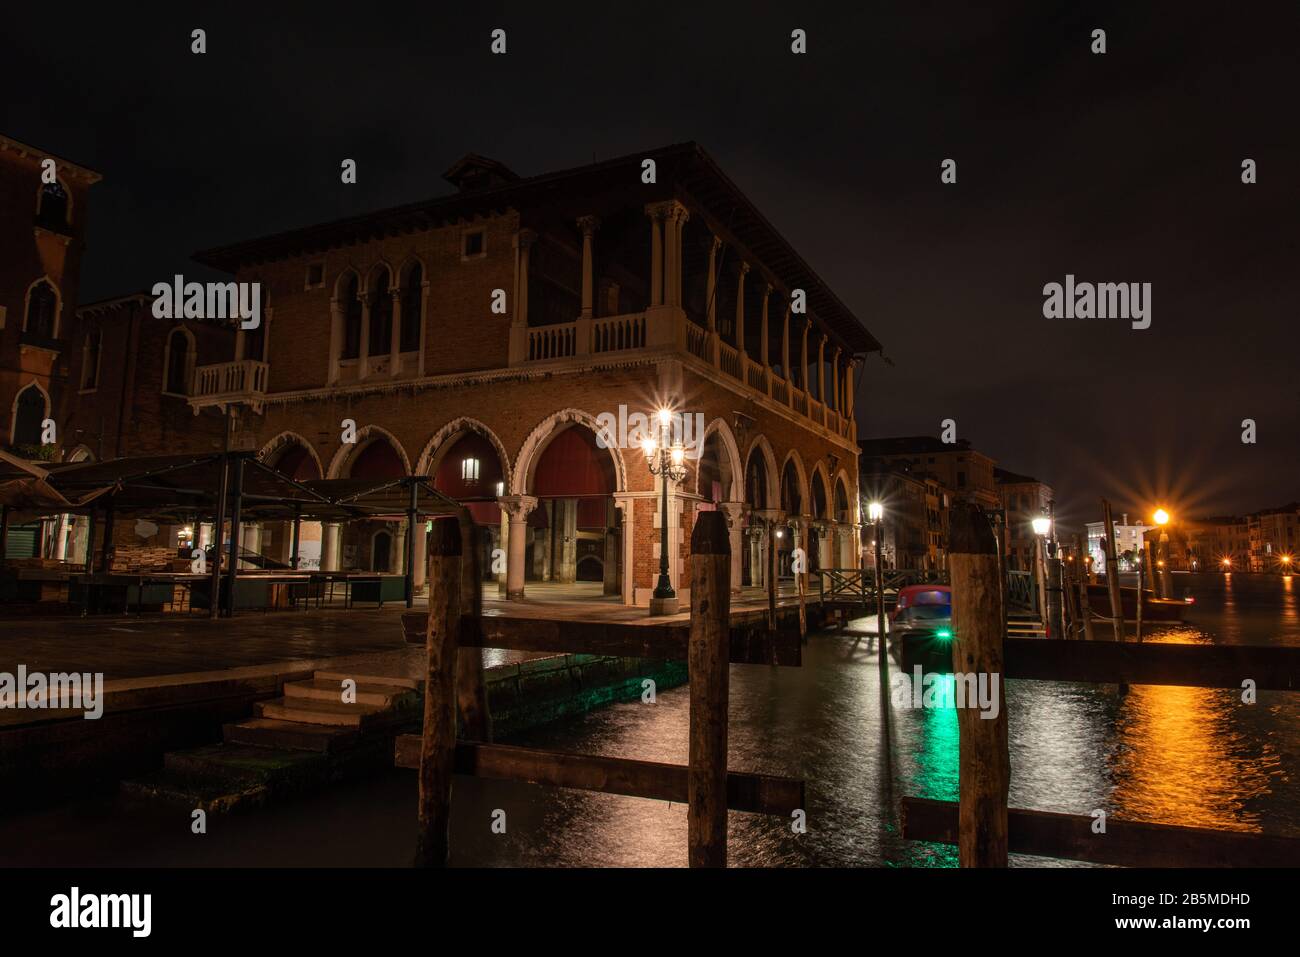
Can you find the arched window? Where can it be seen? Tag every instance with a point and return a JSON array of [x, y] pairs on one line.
[[90, 359], [412, 308], [42, 310], [179, 359], [381, 314], [29, 412], [351, 308], [52, 207]]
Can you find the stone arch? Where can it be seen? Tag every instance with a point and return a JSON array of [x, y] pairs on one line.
[[537, 440], [446, 437], [842, 483], [373, 270], [18, 398], [734, 483], [57, 318], [793, 457], [365, 436], [761, 446], [343, 276], [819, 474], [271, 450]]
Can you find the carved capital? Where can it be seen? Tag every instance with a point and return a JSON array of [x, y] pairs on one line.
[[518, 506], [588, 224], [525, 238]]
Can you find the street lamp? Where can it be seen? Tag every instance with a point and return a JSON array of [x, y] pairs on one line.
[[876, 516], [666, 460], [1161, 517]]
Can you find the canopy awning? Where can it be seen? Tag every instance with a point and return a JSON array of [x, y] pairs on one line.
[[178, 487]]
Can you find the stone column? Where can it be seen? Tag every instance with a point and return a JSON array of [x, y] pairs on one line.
[[330, 546], [711, 297], [518, 508], [735, 513], [588, 225], [395, 345], [421, 552], [566, 526], [741, 270], [762, 354], [399, 549], [523, 241], [785, 356], [821, 370], [675, 222], [610, 559], [655, 212], [849, 396], [803, 364], [251, 538], [835, 378]]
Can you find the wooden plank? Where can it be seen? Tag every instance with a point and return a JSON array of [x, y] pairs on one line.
[[1271, 667], [750, 641], [1125, 843], [753, 793]]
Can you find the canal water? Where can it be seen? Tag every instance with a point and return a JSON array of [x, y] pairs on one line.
[[1162, 754]]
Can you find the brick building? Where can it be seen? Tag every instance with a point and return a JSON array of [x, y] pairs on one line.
[[1024, 498], [41, 243], [489, 338]]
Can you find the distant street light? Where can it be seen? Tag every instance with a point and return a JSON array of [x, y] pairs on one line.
[[1161, 517], [1041, 525], [667, 461]]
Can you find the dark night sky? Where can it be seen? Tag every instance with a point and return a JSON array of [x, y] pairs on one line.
[[1122, 168]]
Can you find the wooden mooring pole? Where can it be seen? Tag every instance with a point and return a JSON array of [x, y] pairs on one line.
[[471, 683], [984, 764], [438, 743], [708, 662], [1085, 613], [1112, 572]]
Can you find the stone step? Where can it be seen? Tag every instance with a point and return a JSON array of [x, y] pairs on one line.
[[329, 689], [362, 678], [214, 797], [310, 711], [244, 763], [291, 735]]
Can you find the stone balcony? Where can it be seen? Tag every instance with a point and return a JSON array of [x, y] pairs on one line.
[[663, 329], [226, 383]]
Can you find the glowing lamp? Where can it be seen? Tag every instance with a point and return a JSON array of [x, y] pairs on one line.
[[1041, 525], [1161, 517], [679, 455], [648, 447], [875, 511], [665, 417]]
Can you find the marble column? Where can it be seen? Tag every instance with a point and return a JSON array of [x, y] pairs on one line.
[[330, 548], [735, 513], [518, 508], [421, 552]]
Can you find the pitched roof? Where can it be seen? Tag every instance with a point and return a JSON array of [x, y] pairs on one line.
[[685, 165]]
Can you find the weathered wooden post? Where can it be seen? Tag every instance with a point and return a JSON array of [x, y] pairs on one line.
[[1085, 613], [438, 744], [1112, 572], [708, 657], [471, 684], [984, 764]]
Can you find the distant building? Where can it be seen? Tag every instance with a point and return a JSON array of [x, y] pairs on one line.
[[1023, 499], [958, 467], [1274, 536], [1128, 543], [907, 525]]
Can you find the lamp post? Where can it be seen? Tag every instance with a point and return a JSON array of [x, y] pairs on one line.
[[876, 514], [1042, 526], [667, 460], [1162, 520]]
